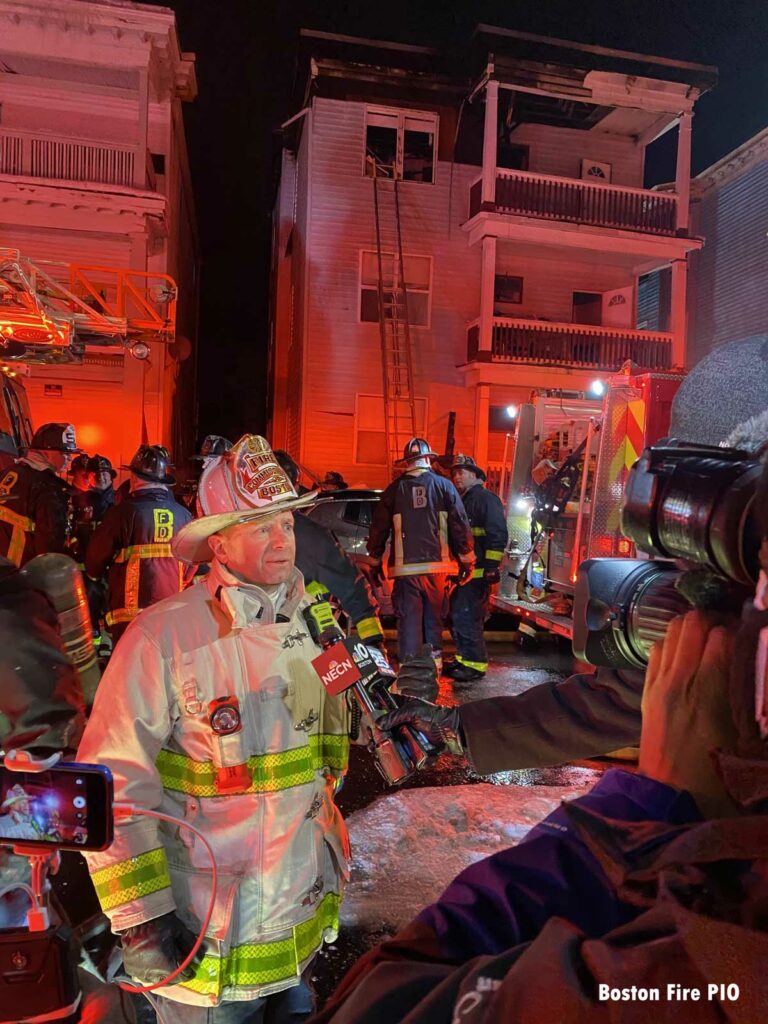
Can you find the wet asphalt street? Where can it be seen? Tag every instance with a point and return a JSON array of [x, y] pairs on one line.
[[513, 669]]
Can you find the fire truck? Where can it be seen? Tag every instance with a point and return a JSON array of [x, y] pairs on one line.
[[51, 312], [571, 458]]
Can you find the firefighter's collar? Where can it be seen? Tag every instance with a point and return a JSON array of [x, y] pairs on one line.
[[247, 603]]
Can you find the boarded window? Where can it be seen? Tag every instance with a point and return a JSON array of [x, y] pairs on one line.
[[417, 272], [370, 433], [400, 144]]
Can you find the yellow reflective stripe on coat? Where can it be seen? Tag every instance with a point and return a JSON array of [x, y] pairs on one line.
[[478, 666], [130, 880], [132, 556], [478, 531], [369, 627], [265, 963], [477, 574], [494, 556], [315, 589], [20, 526], [269, 772], [144, 551]]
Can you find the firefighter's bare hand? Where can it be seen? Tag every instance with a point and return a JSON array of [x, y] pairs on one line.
[[154, 949], [418, 675], [686, 708], [465, 572], [441, 726], [375, 573]]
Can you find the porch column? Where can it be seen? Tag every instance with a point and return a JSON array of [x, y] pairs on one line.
[[140, 160], [678, 311], [482, 409], [683, 172], [490, 140], [487, 284]]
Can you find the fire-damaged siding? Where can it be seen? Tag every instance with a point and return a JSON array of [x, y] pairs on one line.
[[730, 287], [343, 356], [559, 151]]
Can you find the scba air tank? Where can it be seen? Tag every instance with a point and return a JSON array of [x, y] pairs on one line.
[[59, 578]]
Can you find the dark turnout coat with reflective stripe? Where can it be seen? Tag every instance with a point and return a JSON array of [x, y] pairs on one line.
[[489, 527], [36, 520], [429, 526], [327, 570], [133, 546]]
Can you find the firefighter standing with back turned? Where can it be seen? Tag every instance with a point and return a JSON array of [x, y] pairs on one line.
[[430, 533], [134, 541], [37, 519], [469, 605], [327, 570]]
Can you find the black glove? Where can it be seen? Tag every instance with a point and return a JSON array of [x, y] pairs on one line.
[[492, 575], [418, 675], [465, 572], [154, 949], [441, 726]]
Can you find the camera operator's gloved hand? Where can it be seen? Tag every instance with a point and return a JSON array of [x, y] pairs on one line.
[[154, 949], [375, 573], [465, 572], [492, 576], [441, 726], [418, 675]]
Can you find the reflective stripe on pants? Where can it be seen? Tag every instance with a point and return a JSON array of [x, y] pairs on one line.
[[469, 610]]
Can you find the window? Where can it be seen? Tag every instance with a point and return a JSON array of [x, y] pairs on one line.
[[400, 144], [507, 288], [511, 156], [370, 435], [417, 271]]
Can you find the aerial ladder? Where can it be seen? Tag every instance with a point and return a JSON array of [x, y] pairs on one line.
[[394, 328], [50, 311]]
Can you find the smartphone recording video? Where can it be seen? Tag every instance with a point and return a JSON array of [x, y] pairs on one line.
[[68, 806]]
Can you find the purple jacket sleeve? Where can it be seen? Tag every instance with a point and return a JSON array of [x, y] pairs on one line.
[[507, 898]]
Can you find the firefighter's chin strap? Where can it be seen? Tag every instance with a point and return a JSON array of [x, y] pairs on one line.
[[128, 811]]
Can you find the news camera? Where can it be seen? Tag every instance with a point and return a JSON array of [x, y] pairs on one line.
[[687, 503]]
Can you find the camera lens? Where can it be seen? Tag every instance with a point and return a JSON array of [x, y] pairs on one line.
[[695, 504]]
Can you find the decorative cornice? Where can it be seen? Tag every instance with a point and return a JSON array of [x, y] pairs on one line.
[[751, 152]]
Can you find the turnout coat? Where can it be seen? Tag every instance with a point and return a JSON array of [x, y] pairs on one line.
[[279, 841]]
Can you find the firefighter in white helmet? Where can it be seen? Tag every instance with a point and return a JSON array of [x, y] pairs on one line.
[[210, 710]]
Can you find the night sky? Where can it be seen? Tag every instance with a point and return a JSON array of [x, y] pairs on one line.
[[245, 67]]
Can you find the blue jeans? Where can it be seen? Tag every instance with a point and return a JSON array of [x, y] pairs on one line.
[[469, 610], [419, 603], [291, 1006]]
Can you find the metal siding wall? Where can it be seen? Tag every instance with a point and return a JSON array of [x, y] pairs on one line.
[[343, 354], [731, 287]]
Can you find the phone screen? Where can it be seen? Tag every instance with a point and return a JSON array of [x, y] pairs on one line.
[[68, 806]]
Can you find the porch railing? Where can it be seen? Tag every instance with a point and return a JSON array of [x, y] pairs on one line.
[[523, 193], [557, 344], [65, 159]]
